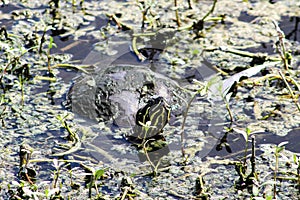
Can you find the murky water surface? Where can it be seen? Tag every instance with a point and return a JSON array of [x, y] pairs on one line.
[[94, 36]]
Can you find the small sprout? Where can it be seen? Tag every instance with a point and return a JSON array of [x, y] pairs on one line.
[[99, 173]]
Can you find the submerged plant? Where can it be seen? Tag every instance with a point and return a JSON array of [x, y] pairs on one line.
[[50, 46], [202, 90], [25, 172], [72, 136], [92, 179], [3, 108], [249, 180], [278, 149], [152, 164], [201, 189], [148, 16]]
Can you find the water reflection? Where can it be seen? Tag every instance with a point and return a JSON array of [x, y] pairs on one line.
[[233, 144]]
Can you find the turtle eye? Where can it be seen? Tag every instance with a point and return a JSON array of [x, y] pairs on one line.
[[152, 118]]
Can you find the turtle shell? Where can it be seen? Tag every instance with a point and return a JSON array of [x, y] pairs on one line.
[[118, 92]]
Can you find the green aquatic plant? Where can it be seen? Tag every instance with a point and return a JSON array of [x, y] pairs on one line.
[[95, 174], [57, 165], [21, 84], [293, 96], [152, 164], [3, 108], [247, 180], [148, 16], [198, 26], [72, 136], [278, 149], [201, 190], [202, 90], [25, 172], [50, 46], [23, 190], [176, 13], [15, 69], [246, 136], [128, 188], [74, 5]]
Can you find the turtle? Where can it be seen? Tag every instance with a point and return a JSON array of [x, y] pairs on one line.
[[127, 95]]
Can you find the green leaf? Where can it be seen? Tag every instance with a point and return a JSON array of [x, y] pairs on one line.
[[195, 52], [279, 149], [295, 158], [46, 192], [248, 131], [99, 173], [50, 42], [270, 197]]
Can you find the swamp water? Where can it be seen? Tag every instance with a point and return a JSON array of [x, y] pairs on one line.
[[30, 112]]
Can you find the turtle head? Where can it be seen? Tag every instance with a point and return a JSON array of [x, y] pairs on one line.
[[152, 118]]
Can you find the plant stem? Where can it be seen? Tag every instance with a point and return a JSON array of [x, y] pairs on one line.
[[154, 168], [136, 51], [277, 151], [265, 57], [124, 194], [183, 123], [210, 11], [21, 82], [91, 185], [281, 45], [73, 137], [176, 14], [245, 154], [252, 159], [56, 175], [190, 4], [229, 110], [295, 99]]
